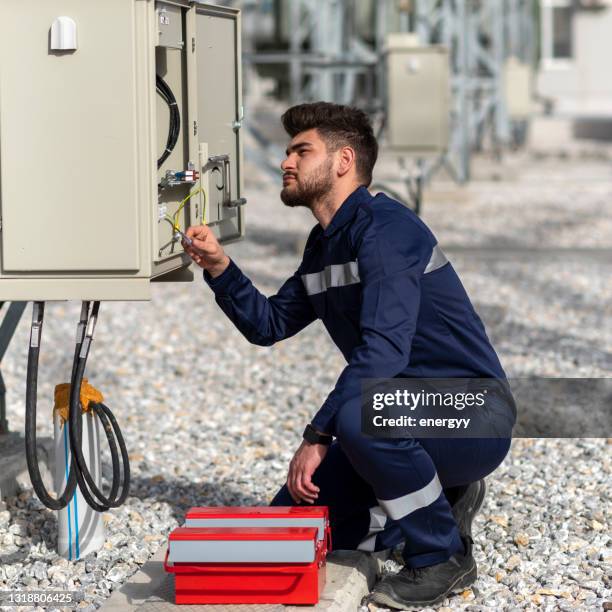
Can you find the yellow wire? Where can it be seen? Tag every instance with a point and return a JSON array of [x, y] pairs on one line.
[[173, 220], [203, 206], [182, 205], [170, 220]]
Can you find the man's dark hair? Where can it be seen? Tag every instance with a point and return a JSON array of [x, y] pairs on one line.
[[338, 126]]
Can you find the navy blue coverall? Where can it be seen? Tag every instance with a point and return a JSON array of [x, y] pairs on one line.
[[395, 307]]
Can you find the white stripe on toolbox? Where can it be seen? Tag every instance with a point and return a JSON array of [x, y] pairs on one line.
[[241, 551], [340, 275], [259, 522], [402, 506]]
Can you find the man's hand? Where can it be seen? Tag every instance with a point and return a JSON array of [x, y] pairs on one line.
[[303, 465], [206, 250]]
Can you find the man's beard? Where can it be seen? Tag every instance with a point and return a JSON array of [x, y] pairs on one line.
[[312, 188]]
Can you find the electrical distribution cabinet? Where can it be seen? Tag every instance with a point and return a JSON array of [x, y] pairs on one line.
[[418, 95], [518, 77], [85, 211]]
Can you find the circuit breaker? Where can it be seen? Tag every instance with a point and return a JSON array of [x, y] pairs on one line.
[[418, 95], [119, 127]]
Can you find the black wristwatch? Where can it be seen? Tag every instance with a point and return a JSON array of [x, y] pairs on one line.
[[314, 437]]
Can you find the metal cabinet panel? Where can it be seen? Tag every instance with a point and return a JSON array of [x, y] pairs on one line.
[[217, 47], [517, 87], [67, 139], [169, 25], [418, 97]]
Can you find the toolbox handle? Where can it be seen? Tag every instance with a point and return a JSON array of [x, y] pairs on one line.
[[167, 567], [321, 553]]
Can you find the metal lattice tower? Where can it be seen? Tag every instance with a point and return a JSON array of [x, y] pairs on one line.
[[481, 35], [328, 58], [325, 55]]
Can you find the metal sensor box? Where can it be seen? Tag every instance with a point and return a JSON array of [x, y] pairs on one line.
[[518, 77], [418, 96]]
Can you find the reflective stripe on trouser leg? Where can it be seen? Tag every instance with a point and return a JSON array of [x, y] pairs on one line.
[[378, 519], [405, 482], [396, 510], [406, 504]]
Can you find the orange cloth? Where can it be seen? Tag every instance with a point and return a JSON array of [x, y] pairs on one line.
[[62, 398]]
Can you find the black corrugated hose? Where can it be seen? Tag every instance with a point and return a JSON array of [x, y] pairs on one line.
[[175, 118], [78, 473]]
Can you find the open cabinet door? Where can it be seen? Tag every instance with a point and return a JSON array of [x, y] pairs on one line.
[[216, 46]]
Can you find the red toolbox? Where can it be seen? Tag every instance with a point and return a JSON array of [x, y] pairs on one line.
[[262, 516], [250, 555]]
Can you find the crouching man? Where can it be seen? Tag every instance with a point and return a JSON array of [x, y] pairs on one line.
[[374, 274]]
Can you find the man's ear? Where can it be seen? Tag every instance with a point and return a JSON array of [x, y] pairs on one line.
[[346, 160]]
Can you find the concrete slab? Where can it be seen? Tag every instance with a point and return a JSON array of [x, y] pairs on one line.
[[13, 467], [350, 576]]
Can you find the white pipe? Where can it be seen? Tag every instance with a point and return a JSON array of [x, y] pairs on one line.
[[80, 529]]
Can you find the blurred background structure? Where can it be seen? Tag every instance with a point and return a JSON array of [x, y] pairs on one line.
[[343, 51], [510, 64]]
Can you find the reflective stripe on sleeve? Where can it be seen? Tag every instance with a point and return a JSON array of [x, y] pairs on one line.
[[336, 275], [437, 260], [340, 275]]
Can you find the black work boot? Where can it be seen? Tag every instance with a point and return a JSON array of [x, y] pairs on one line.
[[467, 505], [416, 588]]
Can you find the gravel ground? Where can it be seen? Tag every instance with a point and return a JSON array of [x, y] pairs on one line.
[[210, 419]]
